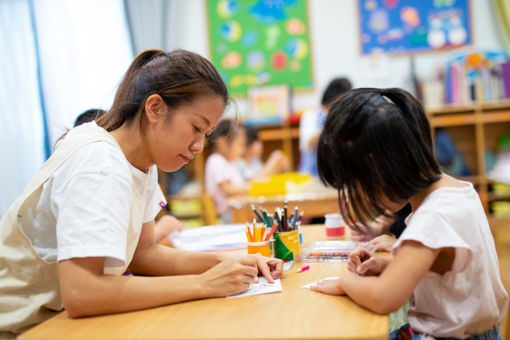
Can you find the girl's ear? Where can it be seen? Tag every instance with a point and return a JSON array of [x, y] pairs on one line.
[[155, 108]]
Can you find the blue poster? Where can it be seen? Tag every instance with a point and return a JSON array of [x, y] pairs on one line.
[[408, 26]]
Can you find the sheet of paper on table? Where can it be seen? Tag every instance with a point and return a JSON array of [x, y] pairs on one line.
[[211, 238], [315, 282], [262, 287]]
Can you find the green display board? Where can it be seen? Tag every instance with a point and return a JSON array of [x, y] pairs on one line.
[[260, 42]]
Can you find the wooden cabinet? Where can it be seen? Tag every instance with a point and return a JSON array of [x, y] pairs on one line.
[[475, 129]]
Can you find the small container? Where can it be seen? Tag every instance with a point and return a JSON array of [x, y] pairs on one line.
[[286, 245], [335, 225], [263, 248]]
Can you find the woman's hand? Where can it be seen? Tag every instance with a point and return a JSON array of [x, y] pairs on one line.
[[328, 286], [270, 268], [232, 276]]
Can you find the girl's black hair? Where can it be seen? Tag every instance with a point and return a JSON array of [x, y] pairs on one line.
[[252, 134], [375, 141]]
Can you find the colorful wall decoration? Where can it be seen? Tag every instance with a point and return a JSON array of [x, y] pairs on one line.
[[260, 42], [407, 26]]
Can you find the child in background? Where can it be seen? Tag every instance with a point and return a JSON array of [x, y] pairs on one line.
[[88, 214], [250, 164], [166, 224], [376, 150], [311, 123], [222, 177]]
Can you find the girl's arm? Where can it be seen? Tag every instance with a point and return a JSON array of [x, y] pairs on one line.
[[232, 190], [389, 291]]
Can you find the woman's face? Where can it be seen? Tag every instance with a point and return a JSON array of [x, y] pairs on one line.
[[174, 140]]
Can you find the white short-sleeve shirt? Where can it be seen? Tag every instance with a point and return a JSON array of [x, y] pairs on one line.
[[218, 170], [83, 209], [469, 299]]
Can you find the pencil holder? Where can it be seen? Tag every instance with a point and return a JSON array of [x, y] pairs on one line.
[[263, 248], [286, 245]]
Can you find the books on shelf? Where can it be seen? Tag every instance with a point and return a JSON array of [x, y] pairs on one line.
[[469, 77], [480, 76]]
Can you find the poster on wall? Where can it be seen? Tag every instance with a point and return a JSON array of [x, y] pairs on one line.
[[409, 26], [260, 43]]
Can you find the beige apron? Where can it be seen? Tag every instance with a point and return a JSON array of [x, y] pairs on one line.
[[29, 286]]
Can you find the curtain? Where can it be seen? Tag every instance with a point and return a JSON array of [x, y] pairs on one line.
[[21, 119], [58, 58], [84, 48], [503, 11], [147, 20]]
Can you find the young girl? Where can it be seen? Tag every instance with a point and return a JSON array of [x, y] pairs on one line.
[[88, 214], [376, 150], [222, 177], [250, 164]]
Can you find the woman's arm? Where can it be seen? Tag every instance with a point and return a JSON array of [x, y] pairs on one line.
[[157, 260], [85, 290], [153, 259]]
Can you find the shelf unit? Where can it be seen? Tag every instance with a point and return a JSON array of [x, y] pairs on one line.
[[474, 129]]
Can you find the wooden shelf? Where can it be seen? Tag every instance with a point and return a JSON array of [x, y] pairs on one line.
[[474, 128]]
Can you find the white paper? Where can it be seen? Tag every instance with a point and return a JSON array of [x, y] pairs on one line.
[[262, 287], [315, 282], [211, 238]]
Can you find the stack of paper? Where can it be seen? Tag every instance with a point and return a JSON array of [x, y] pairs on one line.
[[211, 238]]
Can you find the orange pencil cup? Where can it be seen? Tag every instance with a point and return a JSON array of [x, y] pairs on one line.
[[263, 248]]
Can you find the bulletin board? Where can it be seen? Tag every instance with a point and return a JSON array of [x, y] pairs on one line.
[[408, 26], [260, 42]]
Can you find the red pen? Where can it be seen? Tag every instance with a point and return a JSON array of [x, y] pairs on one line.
[[302, 269]]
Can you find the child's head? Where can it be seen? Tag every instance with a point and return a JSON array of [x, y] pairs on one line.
[[335, 88], [376, 150], [254, 146], [228, 139], [88, 116]]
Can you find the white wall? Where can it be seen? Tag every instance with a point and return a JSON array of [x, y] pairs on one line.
[[335, 44]]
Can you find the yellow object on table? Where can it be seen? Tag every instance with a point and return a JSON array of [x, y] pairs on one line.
[[280, 184]]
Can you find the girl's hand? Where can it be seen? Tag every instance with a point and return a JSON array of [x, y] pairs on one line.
[[329, 286], [362, 262], [383, 242], [363, 234], [232, 276]]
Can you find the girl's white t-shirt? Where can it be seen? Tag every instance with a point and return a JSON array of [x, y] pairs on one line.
[[83, 209], [218, 170], [469, 299]]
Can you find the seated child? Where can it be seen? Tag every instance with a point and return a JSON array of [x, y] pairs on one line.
[[250, 164], [222, 178], [376, 150]]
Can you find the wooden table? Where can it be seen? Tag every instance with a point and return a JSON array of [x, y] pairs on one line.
[[315, 203], [294, 313]]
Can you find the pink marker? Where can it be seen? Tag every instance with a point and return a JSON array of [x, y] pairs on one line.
[[302, 269]]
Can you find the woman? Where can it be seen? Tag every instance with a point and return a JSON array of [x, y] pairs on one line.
[[88, 214]]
